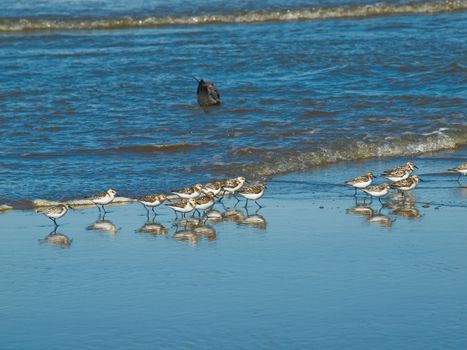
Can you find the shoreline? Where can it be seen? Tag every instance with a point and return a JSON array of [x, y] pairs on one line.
[[311, 262], [460, 156]]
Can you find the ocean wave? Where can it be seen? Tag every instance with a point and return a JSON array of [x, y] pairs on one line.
[[10, 25], [270, 162]]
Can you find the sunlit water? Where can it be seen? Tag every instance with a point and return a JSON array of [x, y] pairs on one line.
[[84, 110], [84, 106], [314, 273]]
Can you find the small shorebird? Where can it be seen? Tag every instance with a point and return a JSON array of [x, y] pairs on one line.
[[183, 206], [55, 212], [207, 94], [406, 185], [214, 188], [204, 202], [461, 169], [409, 165], [103, 198], [361, 182], [233, 185], [189, 192], [254, 193], [401, 172], [152, 201], [377, 191]]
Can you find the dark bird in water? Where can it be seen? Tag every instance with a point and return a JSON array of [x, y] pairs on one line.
[[207, 94]]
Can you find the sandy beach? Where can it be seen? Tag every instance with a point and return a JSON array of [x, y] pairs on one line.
[[324, 272]]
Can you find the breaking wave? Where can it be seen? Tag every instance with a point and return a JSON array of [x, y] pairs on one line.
[[269, 162], [10, 25]]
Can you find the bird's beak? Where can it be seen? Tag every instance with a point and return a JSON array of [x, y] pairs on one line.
[[421, 180], [416, 167]]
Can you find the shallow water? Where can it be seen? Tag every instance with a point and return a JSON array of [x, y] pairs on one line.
[[315, 276], [84, 110]]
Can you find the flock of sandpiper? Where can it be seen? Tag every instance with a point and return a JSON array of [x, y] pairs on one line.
[[400, 179], [200, 197], [195, 198]]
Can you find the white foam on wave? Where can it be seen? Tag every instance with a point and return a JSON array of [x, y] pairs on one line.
[[273, 163], [361, 11]]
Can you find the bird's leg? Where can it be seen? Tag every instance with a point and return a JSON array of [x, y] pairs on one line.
[[355, 193], [246, 203], [147, 210], [259, 205], [223, 206], [55, 222], [222, 196]]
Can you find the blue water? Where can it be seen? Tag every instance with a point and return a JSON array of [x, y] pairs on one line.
[[316, 275], [86, 109], [98, 94]]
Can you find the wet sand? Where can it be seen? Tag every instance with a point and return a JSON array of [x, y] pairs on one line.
[[312, 269]]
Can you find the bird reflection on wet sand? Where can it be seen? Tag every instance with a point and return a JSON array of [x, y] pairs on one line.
[[371, 216], [192, 229], [381, 219], [187, 223], [404, 206], [234, 215], [254, 220], [187, 236], [153, 228], [361, 209], [206, 231], [409, 213], [213, 216], [102, 225], [401, 205], [56, 238]]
